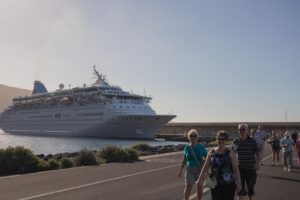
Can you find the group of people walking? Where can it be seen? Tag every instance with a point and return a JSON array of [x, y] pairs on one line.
[[230, 170]]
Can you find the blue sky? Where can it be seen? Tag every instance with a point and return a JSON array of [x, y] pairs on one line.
[[205, 61]]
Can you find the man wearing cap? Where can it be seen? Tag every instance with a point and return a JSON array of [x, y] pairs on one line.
[[248, 157], [287, 144]]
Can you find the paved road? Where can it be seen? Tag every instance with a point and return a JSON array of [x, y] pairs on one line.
[[152, 179], [273, 183]]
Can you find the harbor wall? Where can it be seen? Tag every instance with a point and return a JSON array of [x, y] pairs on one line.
[[210, 129]]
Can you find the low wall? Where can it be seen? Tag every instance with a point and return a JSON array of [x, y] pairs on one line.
[[210, 129]]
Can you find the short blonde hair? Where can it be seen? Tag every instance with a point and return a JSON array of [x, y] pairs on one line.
[[192, 131]]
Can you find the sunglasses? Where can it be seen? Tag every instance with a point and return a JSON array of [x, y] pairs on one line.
[[242, 129], [222, 139], [193, 136]]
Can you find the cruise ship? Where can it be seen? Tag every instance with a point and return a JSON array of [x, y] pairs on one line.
[[99, 110]]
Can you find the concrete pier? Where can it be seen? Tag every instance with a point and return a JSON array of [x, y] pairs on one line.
[[207, 129]]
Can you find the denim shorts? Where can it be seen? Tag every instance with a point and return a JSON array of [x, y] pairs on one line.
[[191, 175]]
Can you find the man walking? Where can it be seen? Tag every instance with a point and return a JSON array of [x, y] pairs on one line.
[[287, 143], [248, 160], [261, 136]]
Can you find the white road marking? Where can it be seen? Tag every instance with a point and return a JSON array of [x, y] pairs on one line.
[[98, 182], [267, 157]]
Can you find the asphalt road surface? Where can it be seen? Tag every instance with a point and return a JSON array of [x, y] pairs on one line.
[[154, 178]]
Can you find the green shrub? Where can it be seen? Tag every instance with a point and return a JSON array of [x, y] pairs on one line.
[[86, 157], [53, 164], [43, 165], [66, 162], [142, 147], [114, 154], [18, 160], [133, 154]]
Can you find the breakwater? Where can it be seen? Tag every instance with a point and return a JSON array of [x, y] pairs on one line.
[[207, 130]]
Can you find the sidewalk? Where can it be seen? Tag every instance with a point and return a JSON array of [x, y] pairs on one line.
[[275, 183]]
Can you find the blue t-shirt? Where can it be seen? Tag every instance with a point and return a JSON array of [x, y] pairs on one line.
[[289, 142], [200, 153]]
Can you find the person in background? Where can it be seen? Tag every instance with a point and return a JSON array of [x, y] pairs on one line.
[[194, 155], [275, 144], [223, 164], [252, 132], [287, 143], [298, 148], [248, 160], [294, 136], [261, 136]]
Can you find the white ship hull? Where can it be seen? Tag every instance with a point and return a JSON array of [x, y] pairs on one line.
[[94, 120], [145, 128]]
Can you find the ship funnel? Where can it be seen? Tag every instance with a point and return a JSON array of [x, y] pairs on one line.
[[39, 88]]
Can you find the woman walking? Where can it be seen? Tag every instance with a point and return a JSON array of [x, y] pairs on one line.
[[223, 166], [194, 155], [275, 143]]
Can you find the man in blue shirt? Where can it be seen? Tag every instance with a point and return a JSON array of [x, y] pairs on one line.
[[287, 144]]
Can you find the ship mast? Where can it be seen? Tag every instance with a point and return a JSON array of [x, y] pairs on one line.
[[100, 78]]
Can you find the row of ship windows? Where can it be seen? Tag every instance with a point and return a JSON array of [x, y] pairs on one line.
[[128, 107], [81, 114], [82, 120], [88, 108], [89, 114]]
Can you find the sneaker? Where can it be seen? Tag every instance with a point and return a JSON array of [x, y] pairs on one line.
[[289, 169], [273, 163], [285, 168]]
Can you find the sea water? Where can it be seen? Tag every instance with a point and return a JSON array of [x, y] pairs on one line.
[[53, 145]]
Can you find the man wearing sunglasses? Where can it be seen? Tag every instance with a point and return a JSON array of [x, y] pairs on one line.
[[248, 160]]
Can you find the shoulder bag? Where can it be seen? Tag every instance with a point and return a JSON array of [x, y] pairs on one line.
[[211, 181], [194, 155]]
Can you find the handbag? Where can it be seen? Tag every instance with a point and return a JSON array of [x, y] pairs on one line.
[[210, 182]]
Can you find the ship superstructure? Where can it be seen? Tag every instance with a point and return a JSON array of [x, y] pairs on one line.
[[99, 110]]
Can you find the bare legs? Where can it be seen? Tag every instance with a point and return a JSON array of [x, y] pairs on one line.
[[275, 155], [188, 189], [199, 191]]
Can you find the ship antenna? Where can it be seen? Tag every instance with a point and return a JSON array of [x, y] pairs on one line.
[[286, 119]]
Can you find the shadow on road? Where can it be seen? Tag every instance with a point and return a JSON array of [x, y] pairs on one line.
[[280, 178]]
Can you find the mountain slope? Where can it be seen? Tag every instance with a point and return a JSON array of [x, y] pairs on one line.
[[7, 93]]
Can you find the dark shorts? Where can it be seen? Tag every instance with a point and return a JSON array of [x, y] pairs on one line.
[[276, 148], [248, 180], [225, 191]]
